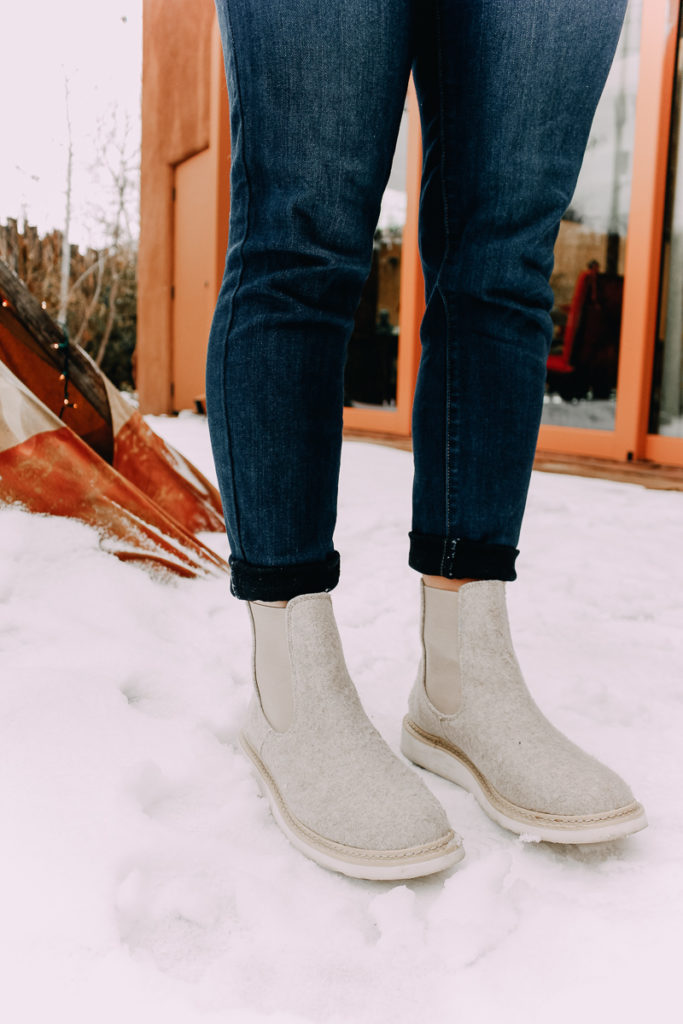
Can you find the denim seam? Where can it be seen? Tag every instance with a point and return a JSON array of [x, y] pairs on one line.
[[448, 418], [228, 434]]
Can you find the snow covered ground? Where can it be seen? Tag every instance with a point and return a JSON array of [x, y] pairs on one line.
[[142, 878], [593, 414]]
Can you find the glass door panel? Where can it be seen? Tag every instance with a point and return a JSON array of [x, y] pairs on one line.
[[666, 409], [372, 359], [588, 277]]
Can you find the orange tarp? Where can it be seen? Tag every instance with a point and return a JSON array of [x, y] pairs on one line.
[[54, 472], [146, 500]]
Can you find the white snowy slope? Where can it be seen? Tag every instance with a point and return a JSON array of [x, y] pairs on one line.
[[142, 878]]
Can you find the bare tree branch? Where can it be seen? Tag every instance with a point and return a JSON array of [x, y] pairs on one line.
[[92, 305]]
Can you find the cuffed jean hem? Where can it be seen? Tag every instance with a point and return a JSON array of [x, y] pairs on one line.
[[282, 582], [459, 558]]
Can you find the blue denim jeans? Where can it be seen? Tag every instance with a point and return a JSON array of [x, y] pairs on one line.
[[507, 92]]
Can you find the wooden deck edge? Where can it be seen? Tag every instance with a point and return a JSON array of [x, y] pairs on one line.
[[652, 475]]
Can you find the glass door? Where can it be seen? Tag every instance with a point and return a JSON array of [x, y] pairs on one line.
[[372, 360], [588, 277], [666, 407], [383, 349]]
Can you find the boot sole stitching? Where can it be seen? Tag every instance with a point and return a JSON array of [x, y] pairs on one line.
[[505, 805], [351, 852]]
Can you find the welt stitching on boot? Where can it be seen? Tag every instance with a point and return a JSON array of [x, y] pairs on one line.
[[332, 782], [497, 743]]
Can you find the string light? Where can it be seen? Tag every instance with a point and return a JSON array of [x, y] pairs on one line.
[[63, 347]]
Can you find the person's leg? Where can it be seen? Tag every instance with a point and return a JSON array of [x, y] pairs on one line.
[[507, 94], [316, 94]]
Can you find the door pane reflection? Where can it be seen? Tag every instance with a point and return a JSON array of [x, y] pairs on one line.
[[588, 278], [370, 375], [666, 411]]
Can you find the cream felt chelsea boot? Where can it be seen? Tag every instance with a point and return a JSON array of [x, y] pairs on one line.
[[334, 787], [472, 720]]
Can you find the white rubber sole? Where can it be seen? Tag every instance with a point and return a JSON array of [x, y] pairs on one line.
[[440, 757], [375, 865]]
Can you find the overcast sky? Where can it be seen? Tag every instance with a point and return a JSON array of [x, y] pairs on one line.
[[97, 45]]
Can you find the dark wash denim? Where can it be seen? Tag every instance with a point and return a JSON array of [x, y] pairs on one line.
[[507, 92]]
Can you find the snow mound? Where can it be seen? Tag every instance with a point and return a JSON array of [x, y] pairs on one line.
[[142, 876]]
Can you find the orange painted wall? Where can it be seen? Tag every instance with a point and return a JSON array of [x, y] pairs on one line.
[[179, 57]]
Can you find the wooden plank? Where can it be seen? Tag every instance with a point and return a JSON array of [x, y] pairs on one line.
[[653, 475], [42, 334]]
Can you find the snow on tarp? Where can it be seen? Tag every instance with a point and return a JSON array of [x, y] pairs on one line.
[[47, 468]]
